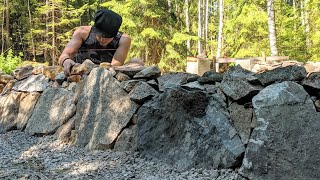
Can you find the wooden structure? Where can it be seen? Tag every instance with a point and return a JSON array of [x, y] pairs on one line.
[[198, 65], [201, 65], [249, 61]]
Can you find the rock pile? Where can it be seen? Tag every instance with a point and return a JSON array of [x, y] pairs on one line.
[[266, 125]]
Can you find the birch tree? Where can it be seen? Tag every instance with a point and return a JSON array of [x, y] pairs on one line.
[[306, 21], [199, 27], [203, 14], [220, 33], [187, 24], [272, 28]]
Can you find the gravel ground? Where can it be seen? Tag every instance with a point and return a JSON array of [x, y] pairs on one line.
[[27, 157]]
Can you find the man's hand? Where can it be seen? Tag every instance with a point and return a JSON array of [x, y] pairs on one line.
[[67, 65]]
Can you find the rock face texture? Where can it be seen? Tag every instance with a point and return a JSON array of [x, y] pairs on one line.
[[15, 109], [265, 125], [48, 117], [285, 143], [103, 110], [188, 129], [239, 83]]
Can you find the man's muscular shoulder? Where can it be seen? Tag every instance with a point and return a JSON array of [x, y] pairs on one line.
[[125, 40], [82, 32]]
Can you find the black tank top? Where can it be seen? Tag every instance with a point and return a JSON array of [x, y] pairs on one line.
[[93, 50]]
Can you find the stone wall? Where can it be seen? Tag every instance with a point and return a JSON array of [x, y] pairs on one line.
[[266, 125]]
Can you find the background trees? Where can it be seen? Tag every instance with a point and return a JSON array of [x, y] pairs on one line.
[[165, 32]]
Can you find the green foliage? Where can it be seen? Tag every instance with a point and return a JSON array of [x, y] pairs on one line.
[[158, 31], [172, 61], [150, 33], [9, 62], [250, 33]]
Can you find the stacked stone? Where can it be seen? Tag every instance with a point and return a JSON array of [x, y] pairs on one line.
[[259, 124], [267, 66]]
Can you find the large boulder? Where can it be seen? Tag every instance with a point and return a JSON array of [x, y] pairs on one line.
[[15, 109], [239, 83], [53, 109], [103, 110], [281, 74], [188, 130], [285, 143]]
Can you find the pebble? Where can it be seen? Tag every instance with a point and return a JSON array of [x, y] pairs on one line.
[[28, 157]]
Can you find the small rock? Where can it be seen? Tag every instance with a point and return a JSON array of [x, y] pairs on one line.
[[22, 72], [106, 65], [152, 71], [52, 71], [4, 79], [60, 78], [74, 78], [122, 77]]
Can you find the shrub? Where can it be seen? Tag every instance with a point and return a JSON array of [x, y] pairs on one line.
[[9, 62]]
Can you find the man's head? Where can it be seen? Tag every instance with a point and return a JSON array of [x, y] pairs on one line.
[[106, 23]]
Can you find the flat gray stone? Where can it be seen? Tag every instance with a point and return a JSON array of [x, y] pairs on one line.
[[53, 109], [175, 79], [281, 74], [103, 110], [285, 143], [127, 141], [15, 109], [243, 120], [142, 92], [151, 71], [239, 83], [34, 83]]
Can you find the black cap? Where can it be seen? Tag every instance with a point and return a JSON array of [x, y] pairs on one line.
[[106, 23]]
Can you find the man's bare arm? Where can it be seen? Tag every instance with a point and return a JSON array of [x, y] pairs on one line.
[[122, 52], [74, 44]]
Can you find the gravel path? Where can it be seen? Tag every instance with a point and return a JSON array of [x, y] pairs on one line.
[[28, 157]]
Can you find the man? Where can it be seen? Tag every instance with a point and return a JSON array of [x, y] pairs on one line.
[[101, 42]]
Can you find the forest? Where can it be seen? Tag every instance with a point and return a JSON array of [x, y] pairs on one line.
[[165, 32]]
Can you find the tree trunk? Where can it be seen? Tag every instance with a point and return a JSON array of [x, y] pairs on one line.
[[46, 54], [272, 28], [32, 42], [187, 24], [306, 21], [203, 24], [199, 27], [7, 45], [202, 27], [155, 57], [206, 21], [169, 6], [294, 6], [2, 28], [146, 54], [53, 35], [302, 13], [220, 33]]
